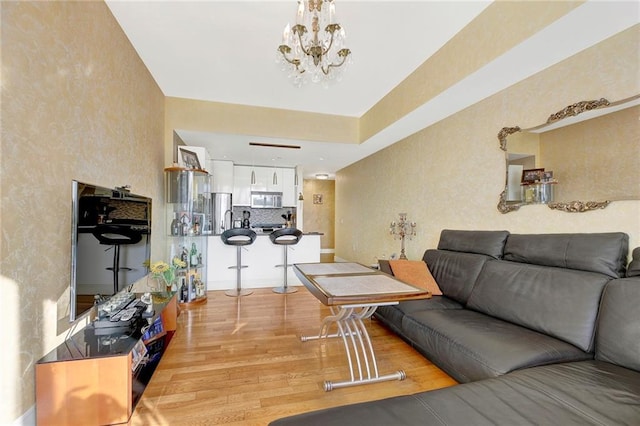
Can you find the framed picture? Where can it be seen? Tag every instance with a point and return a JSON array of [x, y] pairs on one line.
[[317, 198], [532, 175], [190, 159]]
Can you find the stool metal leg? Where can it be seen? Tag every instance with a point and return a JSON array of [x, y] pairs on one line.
[[285, 289], [238, 291]]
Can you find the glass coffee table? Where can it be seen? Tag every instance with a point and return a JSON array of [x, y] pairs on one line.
[[353, 292]]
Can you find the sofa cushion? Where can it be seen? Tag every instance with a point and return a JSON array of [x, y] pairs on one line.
[[470, 346], [633, 270], [605, 253], [581, 393], [618, 335], [559, 302], [490, 243], [415, 272], [391, 315], [455, 273]]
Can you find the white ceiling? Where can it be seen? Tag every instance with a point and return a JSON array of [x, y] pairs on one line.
[[225, 51]]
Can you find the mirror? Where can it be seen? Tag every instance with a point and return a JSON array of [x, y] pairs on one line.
[[584, 157]]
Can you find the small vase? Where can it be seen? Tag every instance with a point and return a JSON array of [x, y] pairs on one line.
[[161, 286]]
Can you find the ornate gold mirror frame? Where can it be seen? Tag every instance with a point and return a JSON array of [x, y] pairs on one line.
[[575, 109]]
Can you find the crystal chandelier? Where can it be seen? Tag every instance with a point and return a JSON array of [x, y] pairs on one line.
[[313, 49]]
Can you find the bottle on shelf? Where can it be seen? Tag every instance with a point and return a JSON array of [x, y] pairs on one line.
[[175, 225], [184, 256], [184, 223], [184, 292], [192, 287], [193, 255]]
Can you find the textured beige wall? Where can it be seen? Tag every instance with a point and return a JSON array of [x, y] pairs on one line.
[[320, 217], [77, 103], [450, 174], [190, 114]]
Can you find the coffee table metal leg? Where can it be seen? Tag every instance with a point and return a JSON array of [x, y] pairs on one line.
[[357, 345]]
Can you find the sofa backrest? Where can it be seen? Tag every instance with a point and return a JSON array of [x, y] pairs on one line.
[[460, 256], [605, 253], [555, 301], [618, 334], [633, 270], [490, 243], [455, 273], [552, 283]]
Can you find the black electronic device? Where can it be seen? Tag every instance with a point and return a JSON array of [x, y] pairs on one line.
[[110, 231], [246, 214]]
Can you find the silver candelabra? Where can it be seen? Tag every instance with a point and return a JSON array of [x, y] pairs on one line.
[[401, 230]]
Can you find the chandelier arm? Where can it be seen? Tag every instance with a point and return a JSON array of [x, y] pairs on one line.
[[289, 60], [325, 51], [283, 49], [326, 71], [305, 51]]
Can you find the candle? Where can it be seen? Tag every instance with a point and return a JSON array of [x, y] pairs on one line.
[[300, 13]]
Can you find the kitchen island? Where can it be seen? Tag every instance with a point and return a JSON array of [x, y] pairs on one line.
[[261, 257]]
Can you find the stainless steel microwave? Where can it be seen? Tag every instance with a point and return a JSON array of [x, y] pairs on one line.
[[266, 200]]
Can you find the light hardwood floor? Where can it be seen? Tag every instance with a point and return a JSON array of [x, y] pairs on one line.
[[240, 361]]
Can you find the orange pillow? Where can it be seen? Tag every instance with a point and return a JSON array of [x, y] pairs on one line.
[[415, 272]]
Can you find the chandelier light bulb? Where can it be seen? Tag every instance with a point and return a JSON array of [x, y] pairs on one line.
[[314, 48]]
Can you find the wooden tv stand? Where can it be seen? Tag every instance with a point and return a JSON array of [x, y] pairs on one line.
[[88, 379]]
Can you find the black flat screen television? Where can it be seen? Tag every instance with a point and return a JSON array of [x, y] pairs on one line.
[[110, 243]]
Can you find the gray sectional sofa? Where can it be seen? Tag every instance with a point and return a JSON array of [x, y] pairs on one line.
[[540, 329]]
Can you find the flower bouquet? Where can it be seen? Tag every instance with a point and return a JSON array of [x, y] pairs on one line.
[[166, 273]]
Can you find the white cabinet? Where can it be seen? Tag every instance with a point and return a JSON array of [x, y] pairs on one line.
[[261, 257], [242, 185], [222, 176], [262, 178], [267, 179], [289, 197], [274, 180], [264, 181]]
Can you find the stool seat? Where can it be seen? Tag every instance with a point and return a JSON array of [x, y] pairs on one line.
[[285, 237], [238, 237]]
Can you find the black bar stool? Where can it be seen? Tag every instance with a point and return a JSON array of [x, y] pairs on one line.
[[285, 237], [116, 235], [238, 237]]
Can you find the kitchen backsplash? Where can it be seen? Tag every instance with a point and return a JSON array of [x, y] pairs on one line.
[[265, 215]]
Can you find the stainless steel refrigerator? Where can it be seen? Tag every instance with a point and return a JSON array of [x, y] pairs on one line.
[[222, 212]]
